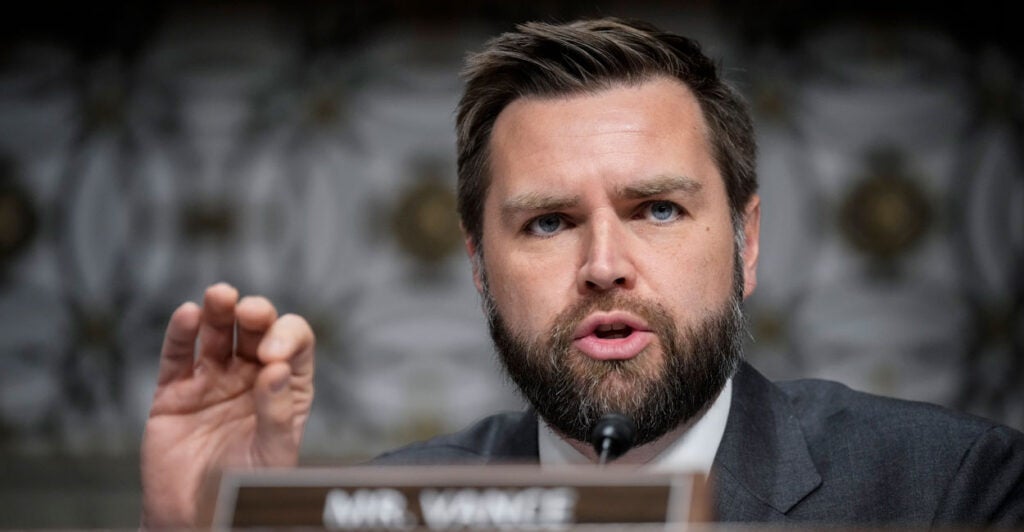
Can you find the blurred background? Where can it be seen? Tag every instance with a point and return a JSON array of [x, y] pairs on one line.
[[305, 152]]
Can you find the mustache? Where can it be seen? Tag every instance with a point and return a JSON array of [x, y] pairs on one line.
[[567, 321]]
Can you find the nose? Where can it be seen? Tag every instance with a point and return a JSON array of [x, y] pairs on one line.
[[607, 263]]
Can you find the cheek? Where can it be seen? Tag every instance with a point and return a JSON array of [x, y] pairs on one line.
[[718, 270], [528, 293], [695, 277]]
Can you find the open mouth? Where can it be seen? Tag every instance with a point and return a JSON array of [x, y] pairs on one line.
[[612, 335], [613, 331], [613, 325], [617, 338]]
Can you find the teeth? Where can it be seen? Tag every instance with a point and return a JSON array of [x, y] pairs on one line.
[[611, 327]]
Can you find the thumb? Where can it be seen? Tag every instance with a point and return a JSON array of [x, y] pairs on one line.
[[275, 444]]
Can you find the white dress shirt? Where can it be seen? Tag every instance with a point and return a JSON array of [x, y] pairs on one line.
[[694, 451]]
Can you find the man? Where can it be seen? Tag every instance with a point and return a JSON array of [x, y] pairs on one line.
[[608, 198]]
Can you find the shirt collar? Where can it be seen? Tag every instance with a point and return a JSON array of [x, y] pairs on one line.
[[694, 451]]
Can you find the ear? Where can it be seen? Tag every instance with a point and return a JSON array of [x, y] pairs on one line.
[[474, 258], [751, 238]]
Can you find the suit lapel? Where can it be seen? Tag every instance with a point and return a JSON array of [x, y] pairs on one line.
[[763, 467], [516, 443]]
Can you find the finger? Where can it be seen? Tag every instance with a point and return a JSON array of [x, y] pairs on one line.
[[290, 339], [178, 351], [277, 444], [255, 315], [217, 324]]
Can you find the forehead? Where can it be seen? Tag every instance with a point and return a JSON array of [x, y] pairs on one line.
[[625, 131], [665, 100]]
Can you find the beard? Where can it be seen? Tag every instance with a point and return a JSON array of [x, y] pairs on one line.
[[571, 391]]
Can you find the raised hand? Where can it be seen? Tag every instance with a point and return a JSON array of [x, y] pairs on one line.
[[241, 401]]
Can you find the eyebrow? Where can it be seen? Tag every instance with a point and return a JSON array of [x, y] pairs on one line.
[[660, 185], [533, 201]]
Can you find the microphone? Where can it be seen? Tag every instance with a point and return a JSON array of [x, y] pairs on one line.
[[612, 436]]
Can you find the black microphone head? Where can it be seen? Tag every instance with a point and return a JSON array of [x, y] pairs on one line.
[[615, 431]]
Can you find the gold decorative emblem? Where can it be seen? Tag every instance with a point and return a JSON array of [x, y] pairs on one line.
[[424, 221], [98, 329], [770, 101], [105, 108], [18, 219], [325, 107], [769, 326], [886, 213], [208, 219]]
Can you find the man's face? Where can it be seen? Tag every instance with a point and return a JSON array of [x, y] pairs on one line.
[[608, 257]]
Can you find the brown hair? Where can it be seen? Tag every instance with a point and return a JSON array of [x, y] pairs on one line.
[[540, 59]]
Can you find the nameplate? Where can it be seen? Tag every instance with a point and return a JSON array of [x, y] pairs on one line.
[[457, 498]]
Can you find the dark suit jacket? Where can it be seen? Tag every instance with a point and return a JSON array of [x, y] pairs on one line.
[[815, 452]]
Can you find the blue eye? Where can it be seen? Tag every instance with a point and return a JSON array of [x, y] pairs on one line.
[[663, 211], [547, 224]]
